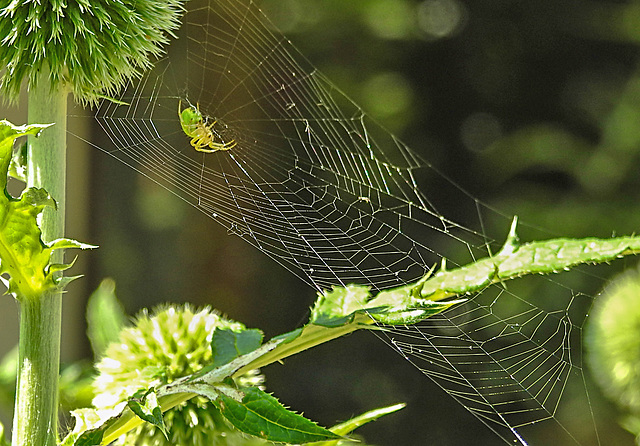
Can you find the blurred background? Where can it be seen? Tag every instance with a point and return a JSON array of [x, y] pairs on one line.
[[532, 107]]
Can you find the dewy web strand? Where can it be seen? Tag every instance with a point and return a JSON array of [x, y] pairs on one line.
[[313, 182]]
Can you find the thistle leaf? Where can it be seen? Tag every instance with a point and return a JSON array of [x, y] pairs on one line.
[[145, 405], [515, 260], [228, 344], [8, 134], [512, 261], [23, 254], [90, 426], [260, 414], [338, 306], [352, 424]]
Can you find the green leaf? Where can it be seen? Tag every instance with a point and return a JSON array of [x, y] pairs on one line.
[[8, 134], [289, 336], [350, 425], [145, 405], [18, 166], [515, 260], [105, 317], [398, 306], [23, 254], [65, 243], [337, 306], [306, 337], [512, 261], [228, 344], [261, 415], [93, 438], [90, 426], [343, 310]]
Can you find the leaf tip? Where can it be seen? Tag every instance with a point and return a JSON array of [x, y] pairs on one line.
[[512, 243]]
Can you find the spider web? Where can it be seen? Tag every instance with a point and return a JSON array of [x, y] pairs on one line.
[[317, 185]]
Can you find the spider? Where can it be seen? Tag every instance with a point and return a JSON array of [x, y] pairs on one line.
[[202, 136]]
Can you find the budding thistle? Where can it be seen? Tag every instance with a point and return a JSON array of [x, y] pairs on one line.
[[172, 343], [613, 341], [90, 47]]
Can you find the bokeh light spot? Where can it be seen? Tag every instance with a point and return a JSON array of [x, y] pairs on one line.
[[391, 19], [479, 130], [441, 18], [387, 94]]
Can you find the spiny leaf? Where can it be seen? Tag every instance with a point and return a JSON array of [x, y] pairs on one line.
[[514, 260], [350, 425], [227, 344], [412, 311], [23, 254], [338, 306], [66, 243], [145, 405], [91, 425], [91, 438], [8, 134], [343, 310], [261, 415]]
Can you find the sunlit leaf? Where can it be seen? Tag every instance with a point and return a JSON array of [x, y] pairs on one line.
[[145, 405], [261, 415], [23, 254], [227, 344]]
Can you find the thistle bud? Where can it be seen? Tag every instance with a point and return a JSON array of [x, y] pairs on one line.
[[174, 342], [91, 47]]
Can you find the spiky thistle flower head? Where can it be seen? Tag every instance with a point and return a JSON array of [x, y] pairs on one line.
[[613, 341], [91, 47], [173, 342]]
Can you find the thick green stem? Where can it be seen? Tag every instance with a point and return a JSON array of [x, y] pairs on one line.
[[36, 409]]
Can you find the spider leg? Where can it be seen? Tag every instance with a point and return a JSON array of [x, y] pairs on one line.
[[227, 145], [209, 128], [202, 148]]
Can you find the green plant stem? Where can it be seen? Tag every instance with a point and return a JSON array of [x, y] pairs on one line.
[[312, 336], [36, 409]]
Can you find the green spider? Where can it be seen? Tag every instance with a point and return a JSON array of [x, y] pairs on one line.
[[202, 136]]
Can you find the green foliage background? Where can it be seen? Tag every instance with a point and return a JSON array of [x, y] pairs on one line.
[[533, 107]]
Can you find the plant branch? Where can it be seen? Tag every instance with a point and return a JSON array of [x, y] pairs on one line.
[[36, 409]]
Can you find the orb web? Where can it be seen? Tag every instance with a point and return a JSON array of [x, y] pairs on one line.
[[317, 185]]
